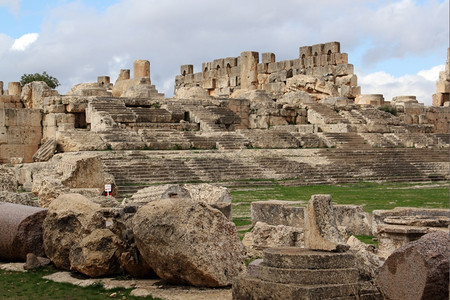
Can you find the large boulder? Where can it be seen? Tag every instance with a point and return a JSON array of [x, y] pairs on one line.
[[216, 196], [321, 230], [97, 254], [265, 236], [70, 218], [189, 242], [418, 270]]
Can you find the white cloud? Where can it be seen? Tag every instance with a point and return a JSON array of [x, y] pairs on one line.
[[24, 41], [176, 32], [13, 5], [422, 85]]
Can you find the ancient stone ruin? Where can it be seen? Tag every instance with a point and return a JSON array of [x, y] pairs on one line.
[[118, 164]]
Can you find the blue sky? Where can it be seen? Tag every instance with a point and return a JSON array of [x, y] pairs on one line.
[[398, 47]]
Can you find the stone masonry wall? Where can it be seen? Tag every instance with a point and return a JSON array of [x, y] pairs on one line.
[[20, 130], [442, 96], [222, 77]]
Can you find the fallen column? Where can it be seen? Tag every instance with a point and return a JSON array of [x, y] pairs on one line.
[[20, 231]]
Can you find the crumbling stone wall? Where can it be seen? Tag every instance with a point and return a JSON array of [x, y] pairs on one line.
[[442, 96], [20, 128], [325, 62]]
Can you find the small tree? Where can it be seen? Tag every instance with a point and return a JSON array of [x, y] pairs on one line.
[[50, 80]]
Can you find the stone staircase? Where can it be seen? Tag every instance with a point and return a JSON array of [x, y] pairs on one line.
[[328, 115], [296, 273], [287, 166], [350, 140]]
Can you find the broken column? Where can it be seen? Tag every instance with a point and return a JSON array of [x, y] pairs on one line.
[[419, 270], [141, 68], [321, 231], [20, 231], [249, 70]]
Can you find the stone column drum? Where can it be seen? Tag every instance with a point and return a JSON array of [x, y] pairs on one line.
[[141, 68], [20, 231]]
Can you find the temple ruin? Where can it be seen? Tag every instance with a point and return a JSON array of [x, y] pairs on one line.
[[247, 118]]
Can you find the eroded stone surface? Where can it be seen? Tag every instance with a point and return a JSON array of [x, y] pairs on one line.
[[189, 243], [419, 270], [321, 231], [70, 218]]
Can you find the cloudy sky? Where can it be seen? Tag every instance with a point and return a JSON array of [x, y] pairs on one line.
[[398, 47]]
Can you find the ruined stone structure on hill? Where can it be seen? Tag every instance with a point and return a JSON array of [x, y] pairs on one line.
[[321, 70], [442, 96], [303, 121]]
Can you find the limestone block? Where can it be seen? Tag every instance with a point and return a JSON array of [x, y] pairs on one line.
[[273, 67], [340, 58], [419, 270], [317, 49], [46, 151], [265, 236], [305, 51], [443, 87], [14, 88], [268, 58], [274, 212], [263, 79], [343, 70], [20, 231], [274, 87], [230, 62], [262, 68], [124, 74], [332, 47], [141, 68], [279, 76], [209, 84], [321, 231], [350, 80], [326, 88], [187, 69], [223, 82], [189, 243], [70, 218], [354, 219], [249, 76], [91, 260]]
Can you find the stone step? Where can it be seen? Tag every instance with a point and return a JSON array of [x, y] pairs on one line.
[[301, 258], [255, 288], [308, 276]]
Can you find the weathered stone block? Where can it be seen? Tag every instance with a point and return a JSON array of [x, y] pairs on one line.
[[419, 270], [276, 212], [321, 232]]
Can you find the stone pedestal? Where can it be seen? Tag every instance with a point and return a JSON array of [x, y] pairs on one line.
[[296, 273]]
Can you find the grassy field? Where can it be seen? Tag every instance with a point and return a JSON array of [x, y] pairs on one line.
[[31, 285], [371, 195]]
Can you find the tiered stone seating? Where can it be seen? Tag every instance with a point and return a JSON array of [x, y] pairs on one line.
[[290, 166], [327, 113], [261, 138], [116, 109], [344, 140]]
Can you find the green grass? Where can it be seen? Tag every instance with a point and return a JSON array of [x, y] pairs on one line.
[[371, 195], [31, 285]]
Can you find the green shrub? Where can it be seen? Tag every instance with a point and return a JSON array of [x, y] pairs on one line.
[[50, 80], [389, 109]]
